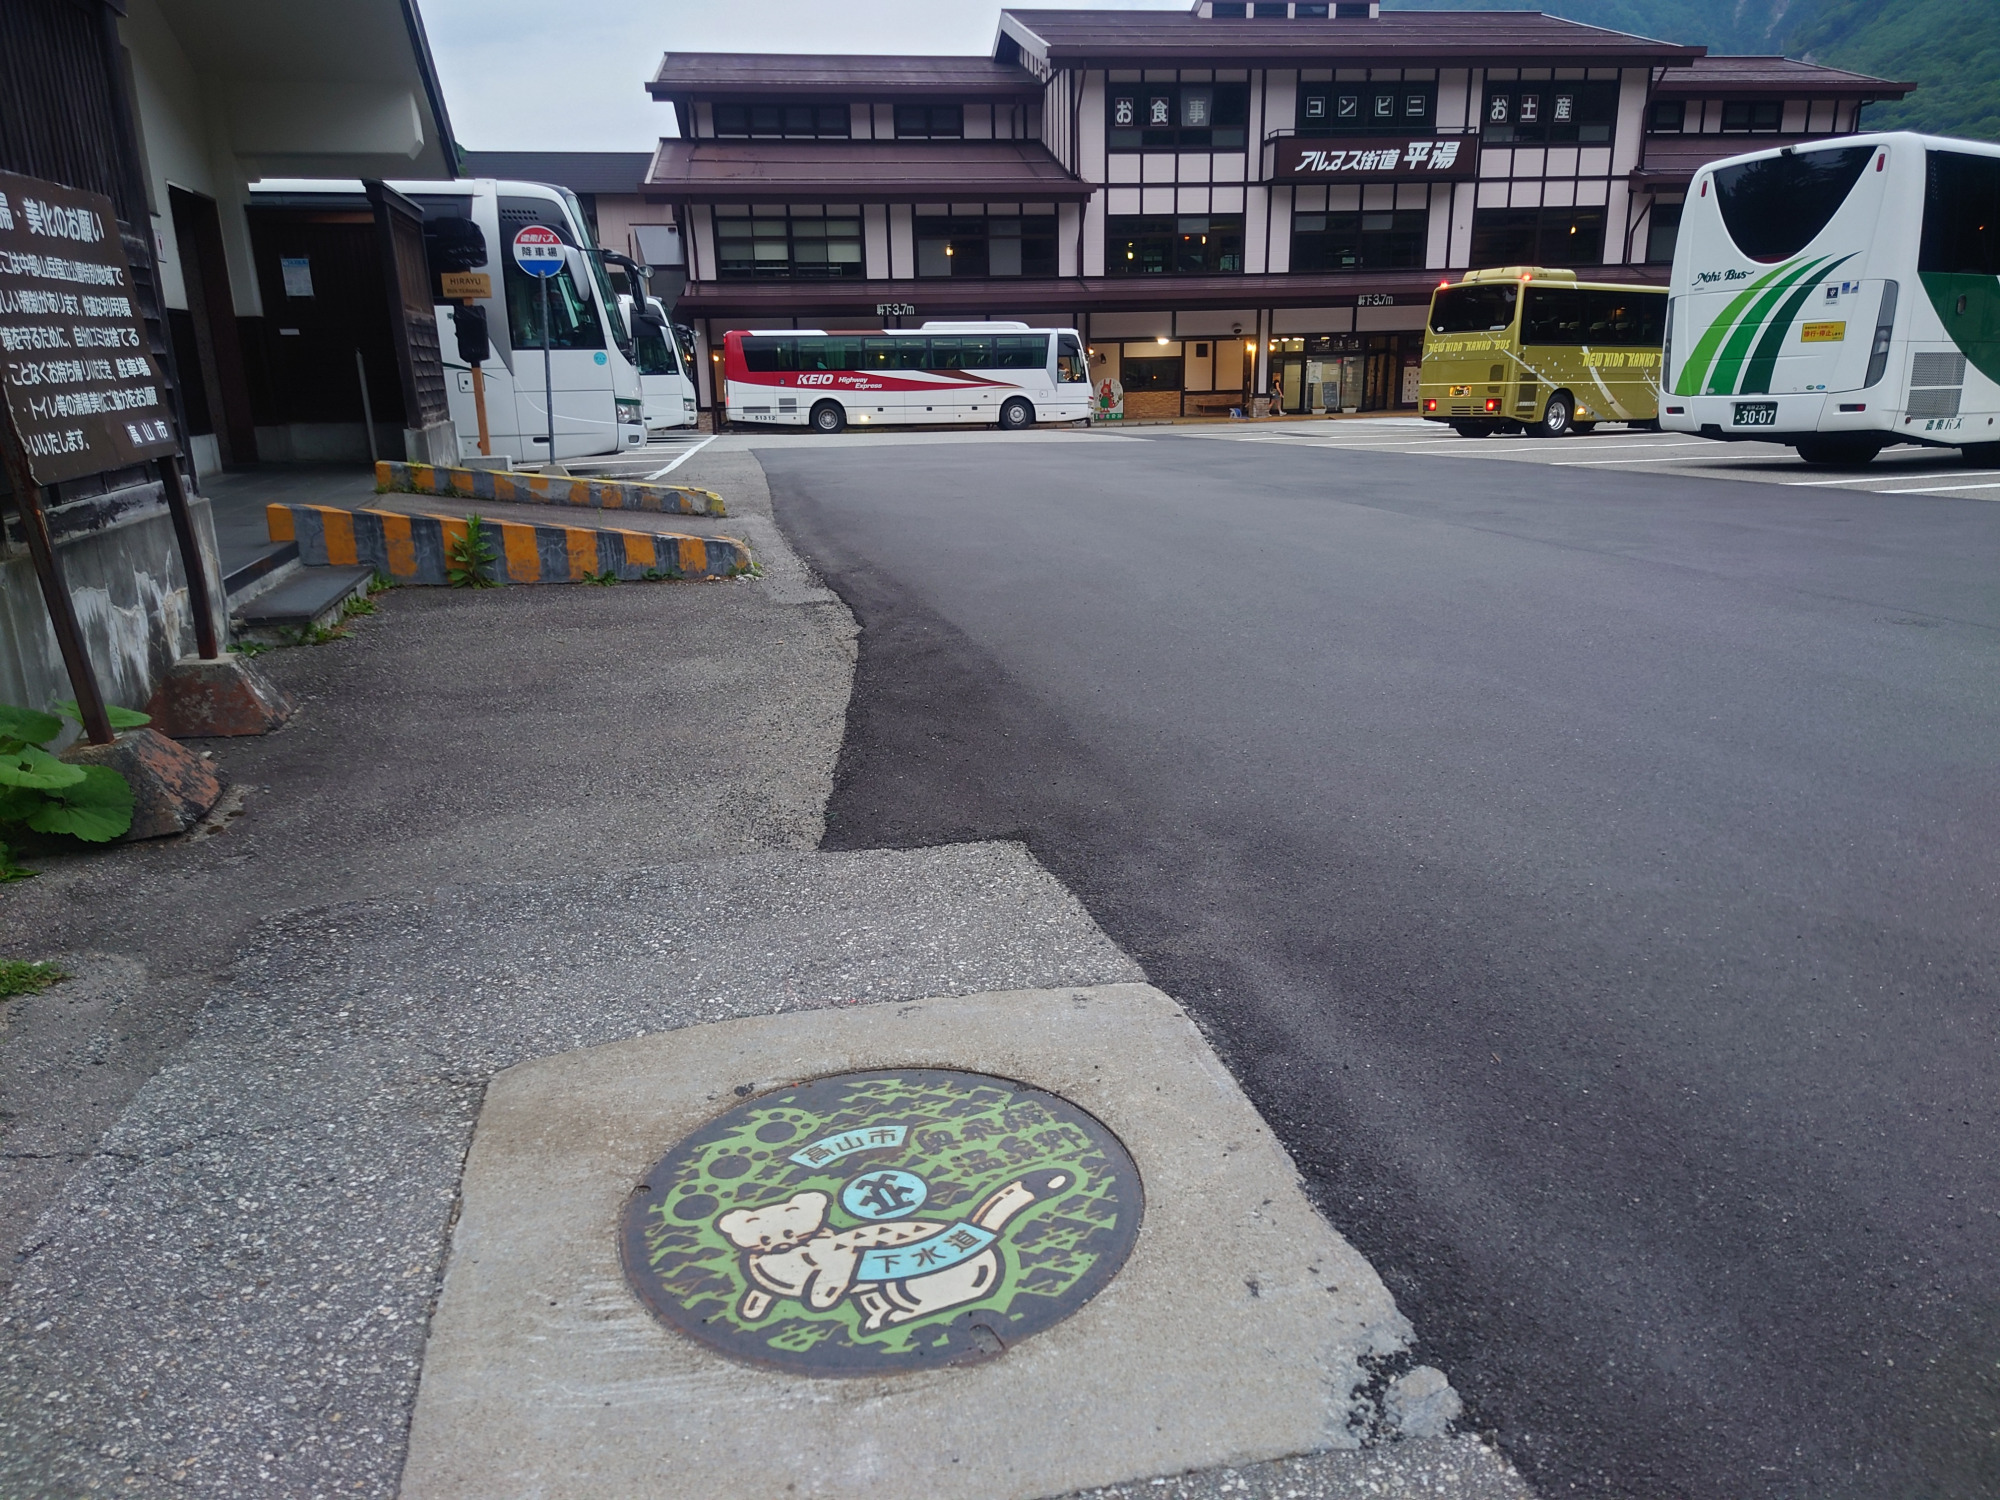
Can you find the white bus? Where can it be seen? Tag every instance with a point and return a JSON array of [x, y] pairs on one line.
[[1841, 298], [469, 225], [1007, 374], [666, 367]]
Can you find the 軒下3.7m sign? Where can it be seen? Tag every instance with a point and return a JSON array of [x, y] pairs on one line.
[[1376, 159]]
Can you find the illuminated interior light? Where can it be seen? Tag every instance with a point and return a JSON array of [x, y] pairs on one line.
[[1160, 341]]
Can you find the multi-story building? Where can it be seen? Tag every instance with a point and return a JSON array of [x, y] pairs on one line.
[[1237, 199]]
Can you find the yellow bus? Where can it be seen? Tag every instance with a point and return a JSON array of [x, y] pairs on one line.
[[1521, 348]]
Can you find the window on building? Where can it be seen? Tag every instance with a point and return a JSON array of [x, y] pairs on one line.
[[1367, 108], [1153, 372], [1168, 246], [1353, 12], [1537, 237], [805, 244], [1310, 12], [992, 244], [808, 120], [1757, 116], [1663, 229], [1669, 116], [930, 122], [1231, 10], [1360, 241], [1535, 112], [1172, 115]]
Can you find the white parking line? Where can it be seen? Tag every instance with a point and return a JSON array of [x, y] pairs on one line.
[[1605, 463], [1885, 478], [1931, 489], [657, 473]]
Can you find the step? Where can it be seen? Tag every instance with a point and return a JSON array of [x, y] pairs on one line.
[[260, 574], [312, 596]]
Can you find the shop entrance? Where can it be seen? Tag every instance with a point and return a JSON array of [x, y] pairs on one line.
[[1315, 374]]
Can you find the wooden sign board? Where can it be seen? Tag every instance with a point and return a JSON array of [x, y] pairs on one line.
[[81, 392], [466, 286]]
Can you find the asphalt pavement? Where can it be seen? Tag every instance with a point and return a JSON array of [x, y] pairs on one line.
[[1587, 871]]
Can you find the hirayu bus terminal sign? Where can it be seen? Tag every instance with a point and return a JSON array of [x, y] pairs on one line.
[[1376, 159], [81, 391]]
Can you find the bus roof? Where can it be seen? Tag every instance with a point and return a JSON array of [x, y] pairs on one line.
[[1496, 274], [1872, 138]]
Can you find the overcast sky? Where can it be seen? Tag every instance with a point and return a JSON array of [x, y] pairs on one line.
[[527, 75]]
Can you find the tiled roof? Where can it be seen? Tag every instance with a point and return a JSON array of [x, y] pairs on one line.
[[749, 75], [736, 171], [1719, 77], [1128, 38], [579, 171]]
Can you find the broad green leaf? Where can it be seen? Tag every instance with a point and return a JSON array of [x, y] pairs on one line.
[[98, 809], [17, 802], [38, 769], [121, 718], [28, 726]]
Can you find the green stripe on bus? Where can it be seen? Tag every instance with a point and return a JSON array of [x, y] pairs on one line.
[[1764, 363], [1697, 366], [1729, 366]]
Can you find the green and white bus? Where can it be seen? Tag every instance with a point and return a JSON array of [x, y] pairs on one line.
[[1841, 298]]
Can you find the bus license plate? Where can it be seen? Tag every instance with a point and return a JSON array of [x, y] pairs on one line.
[[1756, 414]]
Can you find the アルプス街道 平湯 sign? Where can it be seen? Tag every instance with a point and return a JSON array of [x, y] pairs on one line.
[[1376, 159], [80, 389], [868, 1223]]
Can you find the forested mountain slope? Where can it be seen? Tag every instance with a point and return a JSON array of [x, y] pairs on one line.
[[1950, 47]]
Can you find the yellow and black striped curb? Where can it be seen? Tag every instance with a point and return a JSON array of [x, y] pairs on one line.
[[546, 489], [417, 549]]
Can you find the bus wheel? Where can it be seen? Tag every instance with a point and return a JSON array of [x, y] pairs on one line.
[[1472, 429], [1555, 416], [1982, 454], [1016, 414], [1838, 452], [829, 416]]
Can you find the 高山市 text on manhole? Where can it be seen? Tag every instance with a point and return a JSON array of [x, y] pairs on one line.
[[874, 1222]]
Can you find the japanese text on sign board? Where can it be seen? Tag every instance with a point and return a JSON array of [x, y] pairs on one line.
[[1306, 158], [81, 392]]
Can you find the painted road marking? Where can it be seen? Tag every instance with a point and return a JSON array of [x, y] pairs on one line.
[[657, 473]]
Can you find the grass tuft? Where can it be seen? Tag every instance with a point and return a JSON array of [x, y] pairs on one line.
[[18, 977]]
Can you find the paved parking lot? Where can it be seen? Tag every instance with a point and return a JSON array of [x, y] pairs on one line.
[[1905, 470]]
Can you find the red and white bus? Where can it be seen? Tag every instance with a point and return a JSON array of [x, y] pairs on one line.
[[1005, 373]]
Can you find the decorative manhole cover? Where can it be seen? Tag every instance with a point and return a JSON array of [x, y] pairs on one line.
[[874, 1222]]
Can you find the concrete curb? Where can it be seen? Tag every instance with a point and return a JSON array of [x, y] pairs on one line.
[[545, 489], [417, 549]]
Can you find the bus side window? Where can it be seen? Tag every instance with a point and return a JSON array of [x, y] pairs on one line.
[[768, 355], [1554, 315], [1021, 351]]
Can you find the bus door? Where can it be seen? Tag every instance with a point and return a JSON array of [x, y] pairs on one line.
[[1072, 373]]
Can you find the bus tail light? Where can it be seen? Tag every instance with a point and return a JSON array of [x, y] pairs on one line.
[[1493, 403], [1430, 404], [1885, 326]]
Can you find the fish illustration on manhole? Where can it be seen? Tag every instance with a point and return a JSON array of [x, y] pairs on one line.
[[867, 1223]]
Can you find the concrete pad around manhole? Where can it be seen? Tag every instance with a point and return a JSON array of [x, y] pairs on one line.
[[1234, 1331]]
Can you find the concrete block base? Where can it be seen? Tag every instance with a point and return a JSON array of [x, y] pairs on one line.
[[172, 787], [228, 696], [1235, 1332]]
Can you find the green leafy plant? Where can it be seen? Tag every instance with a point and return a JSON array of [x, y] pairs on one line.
[[468, 558], [664, 575], [602, 580], [19, 977], [38, 791]]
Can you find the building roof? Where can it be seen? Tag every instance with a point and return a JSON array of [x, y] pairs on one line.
[[734, 171], [1721, 77], [1672, 160], [762, 75], [1065, 38], [579, 171]]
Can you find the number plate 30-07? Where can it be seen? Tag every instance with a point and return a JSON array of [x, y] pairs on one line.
[[1756, 414]]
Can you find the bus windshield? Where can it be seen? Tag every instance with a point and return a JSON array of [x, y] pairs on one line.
[[1474, 309], [656, 355]]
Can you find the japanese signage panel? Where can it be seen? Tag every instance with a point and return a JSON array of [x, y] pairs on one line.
[[1377, 159], [80, 388]]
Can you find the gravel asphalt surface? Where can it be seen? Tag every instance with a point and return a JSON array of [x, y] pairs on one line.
[[1590, 875]]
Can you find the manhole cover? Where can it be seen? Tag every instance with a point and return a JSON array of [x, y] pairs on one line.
[[873, 1222]]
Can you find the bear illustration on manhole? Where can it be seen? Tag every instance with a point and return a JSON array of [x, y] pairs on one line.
[[868, 1223]]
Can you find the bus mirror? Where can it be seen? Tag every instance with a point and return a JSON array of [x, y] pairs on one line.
[[473, 346], [579, 273]]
